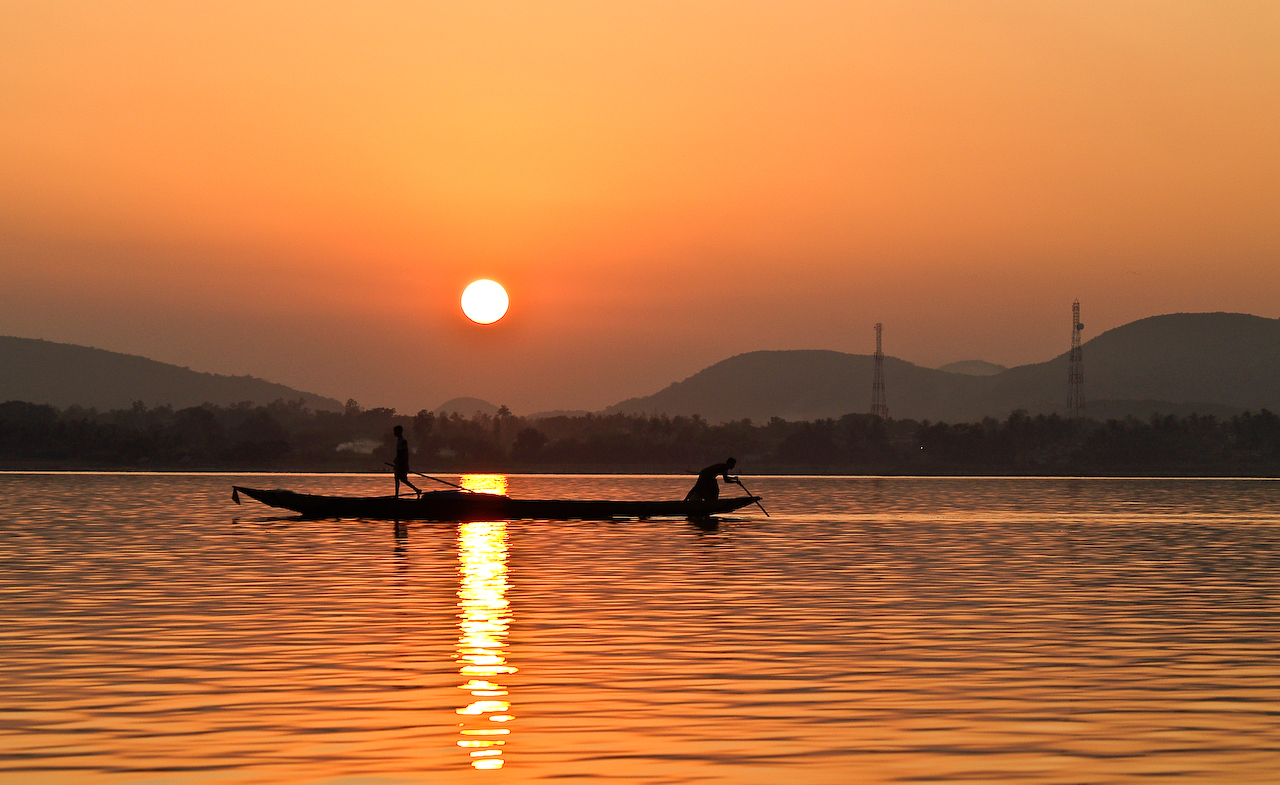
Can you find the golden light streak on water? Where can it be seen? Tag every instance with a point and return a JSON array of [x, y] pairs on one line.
[[484, 616], [485, 483]]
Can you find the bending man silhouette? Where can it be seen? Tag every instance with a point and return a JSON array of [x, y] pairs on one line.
[[707, 488], [402, 461]]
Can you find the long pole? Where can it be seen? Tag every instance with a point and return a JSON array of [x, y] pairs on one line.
[[752, 495], [429, 477]]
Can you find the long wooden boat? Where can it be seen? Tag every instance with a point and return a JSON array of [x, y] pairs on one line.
[[467, 506]]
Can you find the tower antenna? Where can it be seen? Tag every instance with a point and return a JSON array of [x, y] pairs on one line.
[[1075, 367], [879, 407]]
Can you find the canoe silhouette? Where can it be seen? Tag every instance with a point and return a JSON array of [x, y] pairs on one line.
[[467, 506]]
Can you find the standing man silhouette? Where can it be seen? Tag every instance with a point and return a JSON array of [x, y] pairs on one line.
[[707, 488], [402, 461]]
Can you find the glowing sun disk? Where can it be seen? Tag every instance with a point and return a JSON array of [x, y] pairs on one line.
[[484, 301]]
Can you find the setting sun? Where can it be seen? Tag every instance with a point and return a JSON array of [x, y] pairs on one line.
[[484, 302]]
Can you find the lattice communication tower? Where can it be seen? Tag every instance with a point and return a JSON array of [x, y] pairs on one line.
[[879, 406], [1075, 368]]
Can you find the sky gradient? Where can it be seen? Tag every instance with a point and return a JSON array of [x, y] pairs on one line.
[[302, 193]]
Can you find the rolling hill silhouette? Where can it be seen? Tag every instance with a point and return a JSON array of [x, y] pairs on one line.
[[974, 368], [466, 407], [1211, 363], [64, 374]]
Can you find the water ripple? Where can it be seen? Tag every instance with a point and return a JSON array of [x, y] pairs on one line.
[[872, 630]]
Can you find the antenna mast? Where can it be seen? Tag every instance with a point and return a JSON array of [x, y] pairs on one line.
[[1075, 367], [879, 407]]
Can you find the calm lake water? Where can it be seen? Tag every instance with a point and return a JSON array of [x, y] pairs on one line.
[[872, 630]]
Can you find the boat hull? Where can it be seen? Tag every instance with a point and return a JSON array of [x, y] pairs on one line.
[[463, 506]]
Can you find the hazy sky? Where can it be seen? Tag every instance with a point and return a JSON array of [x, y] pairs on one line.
[[301, 191]]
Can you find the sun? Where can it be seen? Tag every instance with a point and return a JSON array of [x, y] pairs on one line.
[[484, 301]]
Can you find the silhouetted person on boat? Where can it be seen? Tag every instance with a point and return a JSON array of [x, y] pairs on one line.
[[707, 488], [402, 461]]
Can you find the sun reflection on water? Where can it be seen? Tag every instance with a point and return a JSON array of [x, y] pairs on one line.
[[485, 483], [484, 617]]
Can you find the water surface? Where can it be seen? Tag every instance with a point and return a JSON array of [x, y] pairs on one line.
[[871, 630]]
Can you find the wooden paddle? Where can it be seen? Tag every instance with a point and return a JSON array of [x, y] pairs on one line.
[[437, 479], [738, 480]]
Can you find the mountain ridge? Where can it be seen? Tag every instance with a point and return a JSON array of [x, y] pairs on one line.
[[62, 374], [1209, 363], [974, 368], [1225, 361]]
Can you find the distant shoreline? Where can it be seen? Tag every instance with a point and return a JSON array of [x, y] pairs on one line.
[[291, 438], [765, 470]]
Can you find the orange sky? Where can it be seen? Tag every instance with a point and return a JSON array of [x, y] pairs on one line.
[[302, 192]]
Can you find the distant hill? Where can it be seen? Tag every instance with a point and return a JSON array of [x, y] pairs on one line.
[[64, 374], [802, 384], [466, 407], [1213, 363], [547, 415], [1229, 359], [974, 368]]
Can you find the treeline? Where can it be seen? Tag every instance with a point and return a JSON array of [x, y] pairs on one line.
[[286, 435]]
